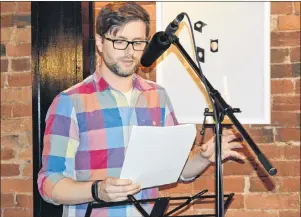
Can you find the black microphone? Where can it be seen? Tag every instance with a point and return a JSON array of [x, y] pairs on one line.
[[157, 46], [160, 43]]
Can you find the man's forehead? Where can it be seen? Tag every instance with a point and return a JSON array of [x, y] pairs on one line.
[[132, 30]]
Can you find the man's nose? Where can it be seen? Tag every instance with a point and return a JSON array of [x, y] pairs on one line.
[[130, 49]]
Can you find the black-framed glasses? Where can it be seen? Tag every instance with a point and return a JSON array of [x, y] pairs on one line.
[[120, 44]]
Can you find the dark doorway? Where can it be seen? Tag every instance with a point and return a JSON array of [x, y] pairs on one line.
[[60, 56]]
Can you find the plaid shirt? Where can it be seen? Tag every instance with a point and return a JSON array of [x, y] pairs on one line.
[[87, 131]]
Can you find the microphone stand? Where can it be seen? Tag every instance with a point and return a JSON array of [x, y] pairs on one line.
[[222, 109]]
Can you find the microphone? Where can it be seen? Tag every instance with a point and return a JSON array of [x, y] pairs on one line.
[[174, 25], [160, 42], [157, 46]]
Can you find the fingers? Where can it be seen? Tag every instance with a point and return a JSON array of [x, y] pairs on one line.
[[118, 182], [237, 155], [122, 189], [234, 145], [122, 196], [114, 189]]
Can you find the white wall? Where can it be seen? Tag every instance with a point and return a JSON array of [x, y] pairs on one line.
[[240, 70]]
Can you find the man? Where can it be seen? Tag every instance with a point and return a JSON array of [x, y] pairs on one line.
[[88, 126]]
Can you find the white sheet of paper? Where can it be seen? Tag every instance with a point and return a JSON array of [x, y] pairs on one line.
[[157, 155]]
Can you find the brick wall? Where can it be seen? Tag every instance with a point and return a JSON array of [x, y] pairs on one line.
[[16, 114], [256, 193]]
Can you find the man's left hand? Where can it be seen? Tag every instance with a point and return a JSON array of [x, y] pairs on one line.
[[208, 149]]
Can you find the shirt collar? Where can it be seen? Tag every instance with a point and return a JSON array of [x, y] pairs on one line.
[[139, 83]]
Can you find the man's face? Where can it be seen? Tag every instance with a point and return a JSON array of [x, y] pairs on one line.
[[123, 62]]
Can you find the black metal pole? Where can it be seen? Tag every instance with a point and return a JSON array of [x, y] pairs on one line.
[[219, 191], [221, 109]]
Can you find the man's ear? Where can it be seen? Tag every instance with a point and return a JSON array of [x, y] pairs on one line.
[[99, 42]]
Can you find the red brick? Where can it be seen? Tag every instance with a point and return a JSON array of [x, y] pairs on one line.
[[282, 86], [289, 213], [248, 213], [9, 141], [287, 134], [281, 7], [289, 22], [296, 69], [18, 50], [21, 64], [6, 35], [22, 110], [290, 185], [281, 71], [24, 201], [7, 153], [6, 21], [292, 152], [297, 86], [16, 185], [295, 54], [285, 39], [16, 95], [8, 7], [27, 170], [279, 55], [297, 7], [262, 184], [273, 152], [7, 200], [6, 111], [24, 7], [209, 203], [19, 79], [3, 80], [26, 154], [176, 189], [282, 119], [261, 135], [18, 212], [16, 110], [235, 168], [25, 140], [16, 126], [10, 170], [4, 65], [231, 184], [275, 201], [286, 103], [287, 168], [23, 35]]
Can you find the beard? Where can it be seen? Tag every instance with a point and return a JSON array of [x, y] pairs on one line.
[[116, 68]]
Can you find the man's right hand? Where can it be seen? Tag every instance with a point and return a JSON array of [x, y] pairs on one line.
[[114, 189]]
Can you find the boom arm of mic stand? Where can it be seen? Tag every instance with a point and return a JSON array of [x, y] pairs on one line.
[[225, 108]]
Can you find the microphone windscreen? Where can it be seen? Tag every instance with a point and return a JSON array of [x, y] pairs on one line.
[[158, 44]]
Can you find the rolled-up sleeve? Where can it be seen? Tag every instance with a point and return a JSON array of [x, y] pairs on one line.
[[61, 141]]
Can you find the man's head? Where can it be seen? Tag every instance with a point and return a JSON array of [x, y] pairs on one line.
[[116, 25]]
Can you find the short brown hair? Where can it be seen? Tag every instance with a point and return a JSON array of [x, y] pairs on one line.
[[114, 15]]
